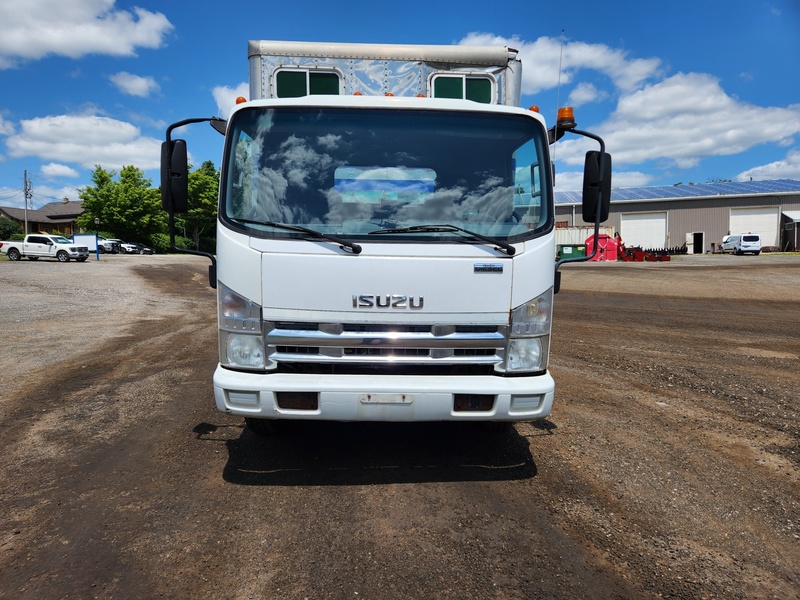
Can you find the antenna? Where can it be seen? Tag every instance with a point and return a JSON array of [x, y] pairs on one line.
[[558, 91]]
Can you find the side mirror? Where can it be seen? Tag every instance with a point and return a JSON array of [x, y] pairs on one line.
[[174, 176], [596, 187]]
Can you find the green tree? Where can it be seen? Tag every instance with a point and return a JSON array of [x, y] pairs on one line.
[[8, 228], [203, 193], [130, 207]]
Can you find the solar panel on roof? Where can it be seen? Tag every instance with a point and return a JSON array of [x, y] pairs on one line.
[[670, 192]]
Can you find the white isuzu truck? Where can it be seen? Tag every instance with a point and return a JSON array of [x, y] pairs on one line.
[[385, 236]]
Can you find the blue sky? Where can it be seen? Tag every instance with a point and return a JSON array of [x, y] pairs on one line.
[[681, 91]]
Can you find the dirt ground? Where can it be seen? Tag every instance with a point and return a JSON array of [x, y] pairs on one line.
[[668, 468]]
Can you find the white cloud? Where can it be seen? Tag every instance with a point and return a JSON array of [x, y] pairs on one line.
[[567, 181], [573, 180], [32, 29], [683, 119], [134, 85], [688, 117], [788, 168], [6, 127], [85, 140], [541, 60], [225, 97], [41, 195], [676, 121], [584, 93], [53, 170]]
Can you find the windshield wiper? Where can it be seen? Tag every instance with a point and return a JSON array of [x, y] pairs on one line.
[[354, 248], [503, 246]]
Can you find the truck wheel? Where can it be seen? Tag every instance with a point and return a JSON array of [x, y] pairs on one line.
[[13, 254], [62, 256], [264, 427], [101, 250]]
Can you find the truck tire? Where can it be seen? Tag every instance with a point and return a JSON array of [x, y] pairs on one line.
[[264, 427], [13, 254], [62, 256], [101, 250]]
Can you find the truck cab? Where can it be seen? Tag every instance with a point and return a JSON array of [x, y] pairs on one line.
[[385, 237]]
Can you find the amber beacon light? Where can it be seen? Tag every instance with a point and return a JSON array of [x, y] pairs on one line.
[[566, 118]]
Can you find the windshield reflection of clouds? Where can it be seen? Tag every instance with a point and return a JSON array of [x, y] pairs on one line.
[[387, 171]]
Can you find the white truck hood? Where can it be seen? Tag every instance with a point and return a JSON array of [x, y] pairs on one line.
[[384, 285]]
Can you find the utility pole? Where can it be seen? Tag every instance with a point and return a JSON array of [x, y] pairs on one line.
[[27, 190]]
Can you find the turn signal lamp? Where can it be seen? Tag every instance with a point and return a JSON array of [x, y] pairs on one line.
[[241, 100], [534, 108]]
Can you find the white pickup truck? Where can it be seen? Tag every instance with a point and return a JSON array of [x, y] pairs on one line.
[[39, 245]]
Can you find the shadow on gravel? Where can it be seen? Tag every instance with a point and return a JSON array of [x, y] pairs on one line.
[[311, 453]]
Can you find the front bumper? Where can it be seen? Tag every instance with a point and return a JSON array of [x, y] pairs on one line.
[[384, 397]]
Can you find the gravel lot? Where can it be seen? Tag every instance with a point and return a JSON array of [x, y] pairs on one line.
[[669, 467]]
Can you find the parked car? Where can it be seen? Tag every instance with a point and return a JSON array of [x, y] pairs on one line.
[[741, 243], [142, 249], [42, 245], [112, 246], [127, 248]]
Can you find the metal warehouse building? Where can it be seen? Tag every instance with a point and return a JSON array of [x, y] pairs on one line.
[[697, 215]]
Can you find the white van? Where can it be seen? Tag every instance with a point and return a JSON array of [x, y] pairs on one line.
[[741, 243]]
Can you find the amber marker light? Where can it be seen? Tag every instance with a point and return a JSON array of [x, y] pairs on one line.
[[534, 108], [241, 100]]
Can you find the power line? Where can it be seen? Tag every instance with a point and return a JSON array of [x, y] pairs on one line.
[[12, 195]]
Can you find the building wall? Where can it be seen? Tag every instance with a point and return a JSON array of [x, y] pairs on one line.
[[708, 215]]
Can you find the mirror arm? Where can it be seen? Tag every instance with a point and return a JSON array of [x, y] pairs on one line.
[[212, 268], [562, 261]]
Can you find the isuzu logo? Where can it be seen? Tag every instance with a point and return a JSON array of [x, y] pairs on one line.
[[387, 301]]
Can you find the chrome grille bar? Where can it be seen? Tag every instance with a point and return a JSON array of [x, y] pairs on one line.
[[326, 342]]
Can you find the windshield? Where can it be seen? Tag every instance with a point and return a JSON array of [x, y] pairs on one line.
[[349, 172]]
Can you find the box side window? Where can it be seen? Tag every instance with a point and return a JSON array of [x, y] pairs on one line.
[[296, 83], [469, 87]]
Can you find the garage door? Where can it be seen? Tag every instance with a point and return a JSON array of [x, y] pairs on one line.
[[648, 230], [757, 220]]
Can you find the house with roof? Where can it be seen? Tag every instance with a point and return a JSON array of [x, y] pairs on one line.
[[697, 215], [54, 217]]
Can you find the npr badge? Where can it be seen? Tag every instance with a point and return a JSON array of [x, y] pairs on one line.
[[488, 267]]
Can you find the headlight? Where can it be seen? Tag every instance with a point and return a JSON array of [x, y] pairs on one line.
[[529, 340], [528, 354], [246, 351], [241, 343]]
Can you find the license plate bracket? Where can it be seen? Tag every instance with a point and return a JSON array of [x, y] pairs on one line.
[[383, 398]]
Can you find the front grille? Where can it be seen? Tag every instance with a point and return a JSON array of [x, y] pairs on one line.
[[383, 343]]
